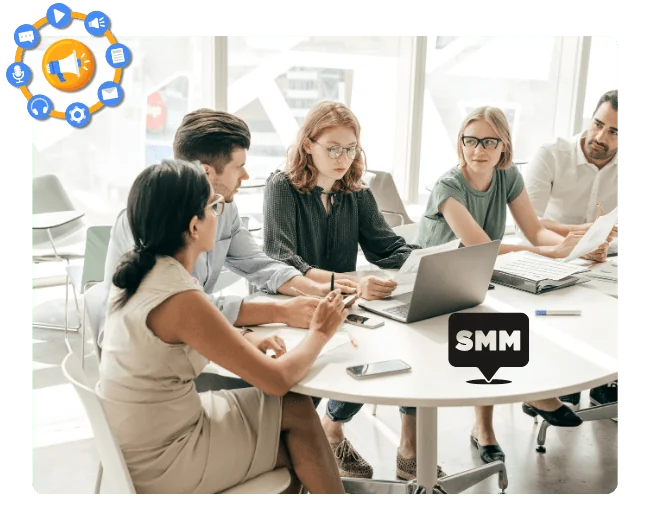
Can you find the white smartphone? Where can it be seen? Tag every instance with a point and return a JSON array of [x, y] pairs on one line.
[[394, 366], [348, 299], [364, 322]]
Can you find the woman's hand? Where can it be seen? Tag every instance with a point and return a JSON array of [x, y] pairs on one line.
[[329, 314], [374, 288], [268, 342], [600, 254], [563, 249]]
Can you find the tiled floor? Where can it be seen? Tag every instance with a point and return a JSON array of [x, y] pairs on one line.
[[580, 460]]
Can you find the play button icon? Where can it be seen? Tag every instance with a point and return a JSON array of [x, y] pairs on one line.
[[59, 15]]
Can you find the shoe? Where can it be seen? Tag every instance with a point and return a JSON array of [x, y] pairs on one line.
[[406, 468], [573, 399], [562, 417], [488, 453], [349, 462], [604, 395]]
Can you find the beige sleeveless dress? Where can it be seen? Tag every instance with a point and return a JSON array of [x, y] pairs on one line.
[[175, 440]]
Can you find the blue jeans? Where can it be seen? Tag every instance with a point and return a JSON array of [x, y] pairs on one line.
[[342, 412], [339, 411]]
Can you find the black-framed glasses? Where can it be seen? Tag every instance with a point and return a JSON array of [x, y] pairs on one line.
[[487, 143], [336, 151], [218, 204]]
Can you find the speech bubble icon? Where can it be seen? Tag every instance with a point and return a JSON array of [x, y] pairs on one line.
[[488, 341], [26, 36]]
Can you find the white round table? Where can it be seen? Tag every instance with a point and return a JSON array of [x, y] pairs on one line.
[[567, 354]]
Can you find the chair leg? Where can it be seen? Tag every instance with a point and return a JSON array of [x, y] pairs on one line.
[[374, 410], [466, 479], [98, 480], [83, 339]]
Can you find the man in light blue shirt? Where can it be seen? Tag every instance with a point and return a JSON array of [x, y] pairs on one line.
[[219, 141]]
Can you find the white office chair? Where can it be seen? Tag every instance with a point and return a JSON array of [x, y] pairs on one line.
[[80, 277], [110, 454], [385, 192]]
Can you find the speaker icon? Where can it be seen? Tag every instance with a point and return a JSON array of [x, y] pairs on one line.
[[98, 22]]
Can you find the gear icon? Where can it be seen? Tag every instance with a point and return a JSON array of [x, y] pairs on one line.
[[77, 114]]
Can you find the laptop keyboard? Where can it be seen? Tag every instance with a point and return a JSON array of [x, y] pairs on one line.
[[400, 310]]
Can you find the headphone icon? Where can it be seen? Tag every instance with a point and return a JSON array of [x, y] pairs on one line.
[[34, 110]]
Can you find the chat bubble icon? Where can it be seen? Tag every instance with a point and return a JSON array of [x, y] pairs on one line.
[[488, 341], [26, 36]]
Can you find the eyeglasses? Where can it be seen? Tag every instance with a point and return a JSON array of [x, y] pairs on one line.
[[336, 151], [218, 205], [487, 143]]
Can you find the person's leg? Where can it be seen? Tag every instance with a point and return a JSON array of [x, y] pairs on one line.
[[483, 429], [285, 461], [308, 450], [350, 463], [338, 413], [406, 461], [407, 443]]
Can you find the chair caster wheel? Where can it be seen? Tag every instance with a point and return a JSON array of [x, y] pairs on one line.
[[540, 449]]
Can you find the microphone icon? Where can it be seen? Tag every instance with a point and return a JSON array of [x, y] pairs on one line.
[[18, 74]]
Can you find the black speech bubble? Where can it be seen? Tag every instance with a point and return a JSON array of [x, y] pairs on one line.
[[487, 360]]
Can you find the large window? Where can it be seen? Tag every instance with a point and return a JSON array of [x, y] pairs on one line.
[[96, 165], [603, 73], [274, 81], [517, 74]]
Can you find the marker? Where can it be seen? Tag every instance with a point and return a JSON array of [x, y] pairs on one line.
[[352, 340], [332, 283], [558, 312]]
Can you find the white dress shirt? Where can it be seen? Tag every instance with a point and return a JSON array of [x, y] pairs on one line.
[[564, 187], [234, 248]]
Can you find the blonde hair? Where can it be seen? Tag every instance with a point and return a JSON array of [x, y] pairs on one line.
[[497, 119], [300, 165]]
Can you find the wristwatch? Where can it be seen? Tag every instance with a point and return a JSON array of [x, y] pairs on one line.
[[244, 331]]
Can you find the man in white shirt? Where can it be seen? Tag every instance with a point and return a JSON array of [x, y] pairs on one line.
[[571, 182], [566, 180], [219, 141]]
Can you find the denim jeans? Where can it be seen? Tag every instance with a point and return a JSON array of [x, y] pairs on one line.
[[339, 411]]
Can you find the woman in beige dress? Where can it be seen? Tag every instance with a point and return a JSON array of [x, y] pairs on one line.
[[161, 331]]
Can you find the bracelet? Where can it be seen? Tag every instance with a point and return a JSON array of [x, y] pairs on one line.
[[244, 331]]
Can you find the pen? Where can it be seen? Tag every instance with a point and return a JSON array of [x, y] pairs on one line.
[[352, 340], [558, 312], [308, 295], [332, 283]]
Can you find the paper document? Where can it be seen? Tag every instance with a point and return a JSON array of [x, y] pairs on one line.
[[292, 338], [534, 267], [596, 235], [409, 270]]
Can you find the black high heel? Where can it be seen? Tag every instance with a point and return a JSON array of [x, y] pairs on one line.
[[488, 453], [562, 417]]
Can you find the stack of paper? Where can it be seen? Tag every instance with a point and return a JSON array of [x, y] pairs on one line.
[[597, 234]]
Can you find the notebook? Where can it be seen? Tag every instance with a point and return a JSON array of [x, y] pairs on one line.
[[533, 273]]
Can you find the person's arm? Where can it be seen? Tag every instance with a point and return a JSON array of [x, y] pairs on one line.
[[381, 246], [208, 332]]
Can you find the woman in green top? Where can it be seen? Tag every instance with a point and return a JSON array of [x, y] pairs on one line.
[[469, 203]]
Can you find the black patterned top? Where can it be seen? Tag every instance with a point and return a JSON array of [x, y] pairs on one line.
[[299, 232]]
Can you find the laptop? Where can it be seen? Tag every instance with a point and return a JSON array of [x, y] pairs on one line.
[[445, 282]]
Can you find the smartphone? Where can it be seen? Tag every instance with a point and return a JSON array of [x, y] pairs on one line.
[[364, 322], [394, 366], [348, 298]]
